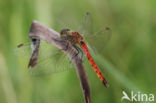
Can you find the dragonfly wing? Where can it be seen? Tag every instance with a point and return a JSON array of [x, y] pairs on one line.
[[65, 20], [98, 40], [25, 50], [87, 25], [53, 64], [50, 58]]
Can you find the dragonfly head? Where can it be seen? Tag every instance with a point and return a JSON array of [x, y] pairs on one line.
[[64, 31]]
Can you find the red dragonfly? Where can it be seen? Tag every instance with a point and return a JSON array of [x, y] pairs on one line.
[[76, 38]]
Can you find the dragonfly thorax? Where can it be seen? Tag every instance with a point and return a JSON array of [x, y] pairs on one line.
[[73, 37]]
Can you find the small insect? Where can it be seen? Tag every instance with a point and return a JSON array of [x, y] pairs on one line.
[[82, 40]]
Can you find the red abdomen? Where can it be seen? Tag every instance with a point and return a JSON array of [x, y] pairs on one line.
[[94, 65]]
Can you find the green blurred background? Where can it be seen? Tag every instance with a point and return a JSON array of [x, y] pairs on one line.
[[129, 59]]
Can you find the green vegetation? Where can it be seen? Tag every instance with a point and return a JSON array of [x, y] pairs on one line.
[[129, 59]]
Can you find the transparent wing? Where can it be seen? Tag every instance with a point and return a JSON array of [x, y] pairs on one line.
[[23, 50], [65, 20], [50, 59], [53, 64], [45, 50], [97, 40], [87, 25]]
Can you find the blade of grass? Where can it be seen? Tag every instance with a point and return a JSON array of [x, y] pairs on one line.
[[6, 82]]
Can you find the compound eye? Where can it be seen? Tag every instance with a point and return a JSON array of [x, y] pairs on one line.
[[67, 29], [64, 31]]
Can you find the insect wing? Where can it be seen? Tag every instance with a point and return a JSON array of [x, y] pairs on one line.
[[98, 40], [25, 50], [57, 62], [50, 59], [86, 28]]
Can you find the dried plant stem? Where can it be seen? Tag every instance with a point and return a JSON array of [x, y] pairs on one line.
[[40, 31]]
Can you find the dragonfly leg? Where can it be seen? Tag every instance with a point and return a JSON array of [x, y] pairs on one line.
[[78, 51], [81, 52]]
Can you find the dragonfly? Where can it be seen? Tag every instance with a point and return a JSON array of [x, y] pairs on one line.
[[82, 40]]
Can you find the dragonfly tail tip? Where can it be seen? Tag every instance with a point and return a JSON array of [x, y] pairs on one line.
[[106, 84]]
